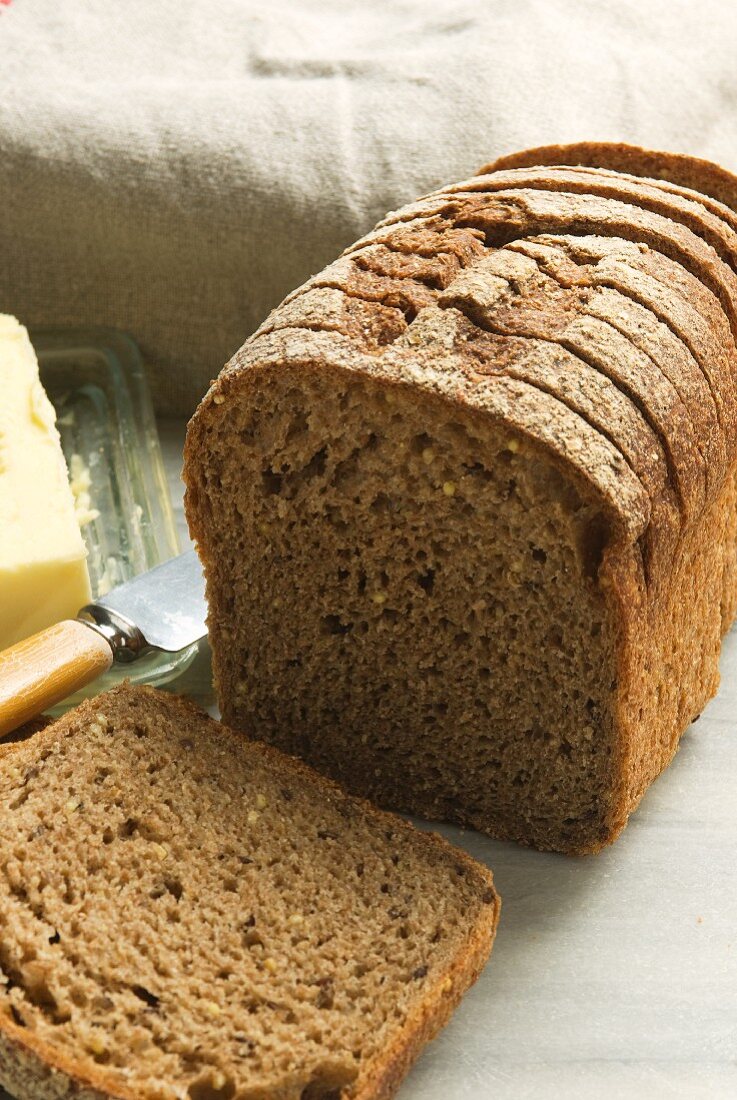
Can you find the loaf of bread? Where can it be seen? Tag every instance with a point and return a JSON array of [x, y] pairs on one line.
[[189, 916], [466, 500]]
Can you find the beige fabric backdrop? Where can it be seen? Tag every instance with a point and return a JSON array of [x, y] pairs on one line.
[[174, 169]]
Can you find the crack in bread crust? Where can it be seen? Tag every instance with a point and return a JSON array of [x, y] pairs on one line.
[[525, 211], [666, 289], [713, 356], [690, 486], [525, 305], [714, 230]]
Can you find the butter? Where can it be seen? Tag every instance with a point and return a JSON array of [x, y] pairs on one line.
[[43, 569]]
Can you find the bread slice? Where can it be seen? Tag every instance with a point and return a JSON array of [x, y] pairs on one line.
[[479, 569], [187, 914], [666, 288], [677, 173], [553, 211]]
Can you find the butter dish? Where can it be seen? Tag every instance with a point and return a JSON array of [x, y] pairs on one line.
[[96, 382]]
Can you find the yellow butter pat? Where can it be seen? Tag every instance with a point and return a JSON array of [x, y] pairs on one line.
[[43, 569]]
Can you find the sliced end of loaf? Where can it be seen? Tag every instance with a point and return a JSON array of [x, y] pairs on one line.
[[405, 593]]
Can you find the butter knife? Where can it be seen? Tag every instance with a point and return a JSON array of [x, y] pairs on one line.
[[162, 610]]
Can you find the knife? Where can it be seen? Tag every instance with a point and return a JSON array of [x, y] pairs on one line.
[[163, 610]]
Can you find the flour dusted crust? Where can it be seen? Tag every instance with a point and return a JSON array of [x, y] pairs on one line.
[[592, 312]]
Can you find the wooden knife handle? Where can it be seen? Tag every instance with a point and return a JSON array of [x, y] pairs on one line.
[[43, 669]]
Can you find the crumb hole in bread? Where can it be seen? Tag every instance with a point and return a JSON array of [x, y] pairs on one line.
[[149, 999], [127, 828], [426, 581], [298, 426], [317, 1090], [593, 543], [272, 481], [333, 625]]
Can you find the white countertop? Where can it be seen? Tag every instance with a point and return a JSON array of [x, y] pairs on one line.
[[613, 976]]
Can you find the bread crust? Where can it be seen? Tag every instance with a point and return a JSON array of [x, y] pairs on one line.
[[679, 298], [328, 309], [696, 175], [711, 341], [529, 306], [526, 210], [629, 388], [638, 192], [651, 336]]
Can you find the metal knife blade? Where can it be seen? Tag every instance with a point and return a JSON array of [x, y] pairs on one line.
[[162, 609]]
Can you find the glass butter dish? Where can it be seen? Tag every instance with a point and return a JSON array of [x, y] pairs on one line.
[[95, 379]]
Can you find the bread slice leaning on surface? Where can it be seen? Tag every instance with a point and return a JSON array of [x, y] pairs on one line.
[[476, 558], [186, 914]]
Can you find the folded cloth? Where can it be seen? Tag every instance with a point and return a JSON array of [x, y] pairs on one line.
[[174, 169]]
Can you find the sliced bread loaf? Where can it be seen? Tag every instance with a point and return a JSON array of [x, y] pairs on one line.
[[186, 914], [480, 569]]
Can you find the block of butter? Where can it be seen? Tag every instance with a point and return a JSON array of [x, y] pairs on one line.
[[43, 571]]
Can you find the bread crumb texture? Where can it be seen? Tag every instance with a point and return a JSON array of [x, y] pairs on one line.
[[161, 939]]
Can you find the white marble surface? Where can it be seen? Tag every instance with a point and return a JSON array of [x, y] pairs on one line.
[[614, 977]]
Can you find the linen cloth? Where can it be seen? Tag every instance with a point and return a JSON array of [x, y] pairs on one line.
[[174, 169]]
